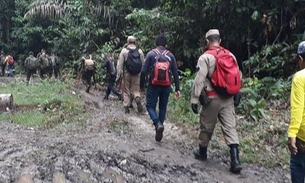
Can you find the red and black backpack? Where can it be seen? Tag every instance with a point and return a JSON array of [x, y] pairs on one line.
[[161, 69], [226, 78]]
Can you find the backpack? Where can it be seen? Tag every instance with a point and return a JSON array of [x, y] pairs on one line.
[[2, 60], [112, 68], [45, 61], [133, 63], [226, 78], [53, 61], [11, 60], [161, 69], [89, 64], [32, 63]]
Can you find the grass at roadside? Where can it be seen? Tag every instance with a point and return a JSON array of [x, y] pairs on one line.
[[44, 103]]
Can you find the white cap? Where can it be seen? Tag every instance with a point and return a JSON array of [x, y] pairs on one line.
[[212, 32]]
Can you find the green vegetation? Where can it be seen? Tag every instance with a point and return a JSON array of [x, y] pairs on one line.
[[44, 103]]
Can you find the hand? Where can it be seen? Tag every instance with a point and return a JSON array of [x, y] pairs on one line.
[[142, 91], [195, 108], [236, 99], [292, 145], [117, 80], [177, 95]]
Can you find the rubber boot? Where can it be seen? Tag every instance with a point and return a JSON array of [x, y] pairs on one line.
[[131, 100], [88, 89], [139, 105], [235, 163], [127, 110], [119, 95], [201, 153]]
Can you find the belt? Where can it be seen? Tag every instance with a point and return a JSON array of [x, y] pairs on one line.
[[211, 93]]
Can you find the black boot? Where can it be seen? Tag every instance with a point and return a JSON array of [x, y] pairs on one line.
[[139, 104], [201, 153], [235, 164], [119, 96], [106, 97], [127, 110], [159, 132]]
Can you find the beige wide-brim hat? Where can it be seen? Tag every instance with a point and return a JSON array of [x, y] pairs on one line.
[[131, 39]]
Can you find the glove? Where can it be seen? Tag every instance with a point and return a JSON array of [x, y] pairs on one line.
[[236, 99], [195, 108]]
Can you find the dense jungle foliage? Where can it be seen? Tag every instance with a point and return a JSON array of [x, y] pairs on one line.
[[263, 34]]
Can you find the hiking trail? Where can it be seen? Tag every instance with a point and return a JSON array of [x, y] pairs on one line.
[[113, 147]]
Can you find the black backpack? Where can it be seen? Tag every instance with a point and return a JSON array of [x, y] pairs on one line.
[[133, 63], [112, 67], [32, 63]]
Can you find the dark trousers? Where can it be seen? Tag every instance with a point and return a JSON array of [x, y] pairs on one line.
[[47, 71], [3, 69], [10, 70], [110, 87], [154, 93], [297, 166], [56, 72], [29, 74], [87, 76]]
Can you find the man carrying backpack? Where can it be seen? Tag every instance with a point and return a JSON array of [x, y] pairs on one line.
[[160, 63], [9, 62], [45, 66], [217, 80], [31, 65], [129, 67], [55, 64], [88, 70], [2, 63], [110, 67]]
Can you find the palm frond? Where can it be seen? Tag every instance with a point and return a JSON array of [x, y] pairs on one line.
[[54, 9], [47, 8]]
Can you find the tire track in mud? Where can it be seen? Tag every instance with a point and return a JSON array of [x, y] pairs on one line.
[[113, 148]]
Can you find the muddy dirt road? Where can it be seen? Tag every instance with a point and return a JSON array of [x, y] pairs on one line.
[[112, 147]]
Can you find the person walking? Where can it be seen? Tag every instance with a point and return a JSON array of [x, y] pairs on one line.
[[55, 64], [87, 70], [296, 129], [161, 63], [129, 68], [2, 63], [216, 102], [9, 62], [45, 65], [110, 67], [31, 65]]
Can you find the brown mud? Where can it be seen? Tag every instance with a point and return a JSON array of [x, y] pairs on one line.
[[112, 147]]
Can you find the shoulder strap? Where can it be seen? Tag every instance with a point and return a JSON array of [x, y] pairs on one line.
[[165, 52], [132, 49], [215, 50], [157, 51]]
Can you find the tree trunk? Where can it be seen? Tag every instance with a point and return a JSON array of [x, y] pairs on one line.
[[6, 100]]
